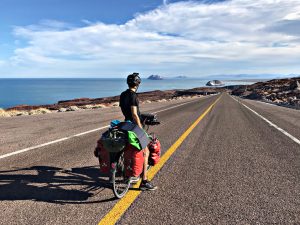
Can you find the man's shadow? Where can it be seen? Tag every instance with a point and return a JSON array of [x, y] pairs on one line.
[[52, 184]]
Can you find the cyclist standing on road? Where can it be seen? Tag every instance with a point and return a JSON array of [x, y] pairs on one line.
[[130, 108]]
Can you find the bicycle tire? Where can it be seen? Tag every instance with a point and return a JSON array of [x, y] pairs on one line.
[[120, 182]]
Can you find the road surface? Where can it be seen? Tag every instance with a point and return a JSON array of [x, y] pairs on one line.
[[233, 168]]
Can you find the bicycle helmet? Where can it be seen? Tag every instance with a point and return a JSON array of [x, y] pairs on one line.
[[133, 80]]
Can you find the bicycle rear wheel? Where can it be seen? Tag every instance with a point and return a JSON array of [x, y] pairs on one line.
[[121, 183]]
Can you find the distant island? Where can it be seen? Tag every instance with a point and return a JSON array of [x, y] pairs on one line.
[[214, 83], [155, 77], [181, 77]]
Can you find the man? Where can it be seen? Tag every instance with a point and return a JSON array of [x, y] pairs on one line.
[[130, 108]]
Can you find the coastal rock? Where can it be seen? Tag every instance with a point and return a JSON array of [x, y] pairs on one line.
[[295, 85], [73, 108], [62, 110], [277, 101], [87, 107], [77, 100], [39, 111], [296, 103]]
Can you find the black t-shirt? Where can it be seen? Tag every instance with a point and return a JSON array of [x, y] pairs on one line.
[[129, 98]]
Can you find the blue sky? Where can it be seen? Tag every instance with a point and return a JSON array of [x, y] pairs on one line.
[[98, 38]]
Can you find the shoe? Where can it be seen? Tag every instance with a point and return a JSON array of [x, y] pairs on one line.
[[147, 186]]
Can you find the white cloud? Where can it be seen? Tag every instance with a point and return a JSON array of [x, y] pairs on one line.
[[185, 37]]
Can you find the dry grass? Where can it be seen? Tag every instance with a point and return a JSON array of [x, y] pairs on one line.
[[3, 113], [39, 111], [99, 106], [87, 107], [73, 108], [17, 113], [114, 104]]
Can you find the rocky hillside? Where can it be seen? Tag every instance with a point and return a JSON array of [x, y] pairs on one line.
[[279, 91]]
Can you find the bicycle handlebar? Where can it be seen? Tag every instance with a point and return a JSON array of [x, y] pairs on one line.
[[149, 119]]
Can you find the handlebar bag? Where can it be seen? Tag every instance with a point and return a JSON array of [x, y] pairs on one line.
[[133, 161]]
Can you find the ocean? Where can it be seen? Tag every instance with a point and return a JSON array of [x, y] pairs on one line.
[[49, 91]]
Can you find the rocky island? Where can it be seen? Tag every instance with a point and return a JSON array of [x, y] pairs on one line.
[[155, 77], [214, 83]]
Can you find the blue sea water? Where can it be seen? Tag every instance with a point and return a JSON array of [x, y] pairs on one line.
[[49, 91]]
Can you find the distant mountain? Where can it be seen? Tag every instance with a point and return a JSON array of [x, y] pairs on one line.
[[248, 76], [155, 77], [181, 77]]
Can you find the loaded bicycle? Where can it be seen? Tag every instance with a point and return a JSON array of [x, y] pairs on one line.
[[119, 154]]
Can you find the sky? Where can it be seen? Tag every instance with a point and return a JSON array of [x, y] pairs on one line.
[[99, 38]]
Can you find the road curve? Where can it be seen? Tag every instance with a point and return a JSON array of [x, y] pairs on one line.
[[232, 169]]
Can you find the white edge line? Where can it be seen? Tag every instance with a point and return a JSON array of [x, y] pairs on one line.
[[75, 135], [271, 124], [48, 143]]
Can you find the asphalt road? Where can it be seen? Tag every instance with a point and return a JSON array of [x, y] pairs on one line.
[[232, 169]]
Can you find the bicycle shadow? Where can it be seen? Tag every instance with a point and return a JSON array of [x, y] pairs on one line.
[[53, 184]]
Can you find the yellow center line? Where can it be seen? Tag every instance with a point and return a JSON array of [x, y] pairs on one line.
[[122, 205]]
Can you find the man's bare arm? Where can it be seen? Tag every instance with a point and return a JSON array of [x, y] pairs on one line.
[[135, 116]]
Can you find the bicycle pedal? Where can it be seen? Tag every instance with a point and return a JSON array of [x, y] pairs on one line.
[[134, 180]]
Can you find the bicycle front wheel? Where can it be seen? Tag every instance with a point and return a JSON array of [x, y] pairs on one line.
[[121, 183]]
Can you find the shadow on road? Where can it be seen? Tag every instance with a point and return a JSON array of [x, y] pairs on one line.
[[52, 184]]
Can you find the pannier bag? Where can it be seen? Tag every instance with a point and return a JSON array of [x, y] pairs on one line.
[[155, 151], [114, 140], [103, 156], [133, 161]]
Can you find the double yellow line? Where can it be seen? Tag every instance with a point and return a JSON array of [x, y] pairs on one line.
[[119, 209]]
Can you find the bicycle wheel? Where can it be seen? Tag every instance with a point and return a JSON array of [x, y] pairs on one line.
[[120, 182]]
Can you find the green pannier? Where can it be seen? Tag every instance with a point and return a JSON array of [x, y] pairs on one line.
[[114, 140]]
